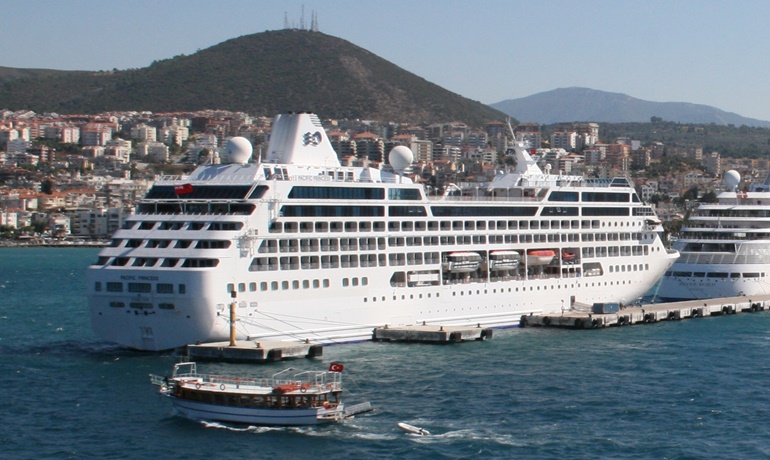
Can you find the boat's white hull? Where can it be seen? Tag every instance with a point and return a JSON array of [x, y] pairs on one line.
[[198, 411]]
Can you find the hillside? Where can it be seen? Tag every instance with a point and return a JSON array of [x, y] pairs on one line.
[[584, 104], [261, 74], [730, 141]]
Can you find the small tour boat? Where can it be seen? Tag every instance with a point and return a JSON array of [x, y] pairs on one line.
[[504, 260], [285, 399], [540, 256], [463, 262]]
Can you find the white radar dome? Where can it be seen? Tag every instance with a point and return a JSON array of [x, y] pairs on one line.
[[239, 150], [400, 157], [731, 179]]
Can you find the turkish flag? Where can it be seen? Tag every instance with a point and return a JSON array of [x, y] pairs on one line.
[[183, 189], [336, 367]]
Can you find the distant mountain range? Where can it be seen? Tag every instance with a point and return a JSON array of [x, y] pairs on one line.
[[261, 74], [300, 70], [584, 104]]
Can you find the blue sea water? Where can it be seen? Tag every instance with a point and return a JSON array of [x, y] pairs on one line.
[[692, 389]]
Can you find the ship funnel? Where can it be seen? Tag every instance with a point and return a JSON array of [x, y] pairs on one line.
[[300, 139]]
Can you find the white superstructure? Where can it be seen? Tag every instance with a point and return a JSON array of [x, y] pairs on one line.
[[312, 250], [724, 246]]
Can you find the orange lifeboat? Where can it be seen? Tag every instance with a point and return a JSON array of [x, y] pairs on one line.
[[540, 256], [285, 388]]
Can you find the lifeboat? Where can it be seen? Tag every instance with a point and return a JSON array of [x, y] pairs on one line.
[[567, 256], [540, 256], [463, 262], [285, 388], [504, 260]]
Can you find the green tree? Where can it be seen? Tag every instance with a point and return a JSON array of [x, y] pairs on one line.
[[691, 193], [709, 197], [47, 186]]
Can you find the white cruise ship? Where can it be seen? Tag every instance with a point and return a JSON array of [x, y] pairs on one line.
[[313, 250], [724, 246]]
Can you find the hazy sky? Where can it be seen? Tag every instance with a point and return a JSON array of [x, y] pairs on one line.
[[704, 52]]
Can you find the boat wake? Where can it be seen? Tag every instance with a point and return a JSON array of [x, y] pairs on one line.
[[244, 428]]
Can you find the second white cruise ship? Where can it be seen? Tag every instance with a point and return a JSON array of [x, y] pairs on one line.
[[725, 247], [314, 250]]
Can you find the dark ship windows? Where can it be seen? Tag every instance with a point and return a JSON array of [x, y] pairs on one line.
[[114, 287], [200, 263]]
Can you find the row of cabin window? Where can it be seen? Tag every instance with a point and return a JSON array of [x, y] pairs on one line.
[[142, 305], [144, 288], [195, 208], [160, 262], [176, 225], [344, 261], [444, 225], [615, 251], [629, 268], [371, 244], [494, 291], [176, 244], [716, 274], [286, 285]]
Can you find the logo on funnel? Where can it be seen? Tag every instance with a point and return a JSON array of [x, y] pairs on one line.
[[311, 138]]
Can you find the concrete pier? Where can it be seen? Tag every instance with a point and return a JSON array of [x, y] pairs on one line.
[[246, 351], [430, 333], [650, 313]]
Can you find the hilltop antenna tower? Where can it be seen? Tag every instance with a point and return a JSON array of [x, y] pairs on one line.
[[302, 19], [314, 22], [285, 20]]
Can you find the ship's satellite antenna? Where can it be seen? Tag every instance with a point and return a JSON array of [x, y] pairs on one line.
[[731, 179], [400, 158]]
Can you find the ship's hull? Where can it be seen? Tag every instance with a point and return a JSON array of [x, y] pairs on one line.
[[334, 315], [694, 281]]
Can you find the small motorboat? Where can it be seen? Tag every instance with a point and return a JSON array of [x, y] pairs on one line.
[[413, 429], [285, 399]]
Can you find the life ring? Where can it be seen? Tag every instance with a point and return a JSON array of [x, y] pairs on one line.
[[303, 389], [197, 386], [222, 387]]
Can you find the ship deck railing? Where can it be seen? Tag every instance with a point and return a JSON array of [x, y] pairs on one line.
[[726, 236], [722, 258], [308, 379]]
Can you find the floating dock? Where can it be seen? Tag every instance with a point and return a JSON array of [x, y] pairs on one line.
[[426, 333], [650, 313], [247, 351]]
